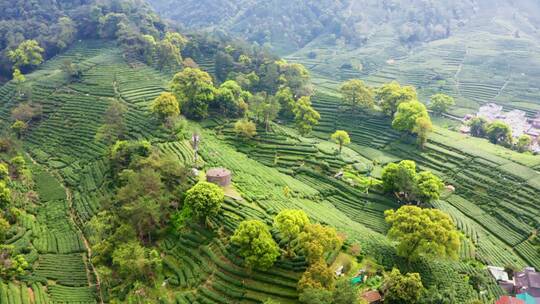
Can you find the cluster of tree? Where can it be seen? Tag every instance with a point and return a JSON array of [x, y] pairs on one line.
[[423, 232], [410, 186], [15, 188], [148, 187], [193, 94], [296, 233], [498, 132], [54, 25], [298, 236], [401, 103]]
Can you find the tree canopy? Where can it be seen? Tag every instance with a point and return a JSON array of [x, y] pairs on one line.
[[499, 132], [165, 105], [412, 186], [317, 240], [245, 128], [341, 138], [194, 91], [402, 288], [356, 94], [204, 199], [423, 232], [392, 94], [305, 116], [439, 103], [255, 244]]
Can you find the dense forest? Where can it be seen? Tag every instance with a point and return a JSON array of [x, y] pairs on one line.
[[300, 22]]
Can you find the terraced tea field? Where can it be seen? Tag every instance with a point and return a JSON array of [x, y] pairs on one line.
[[493, 204], [482, 62]]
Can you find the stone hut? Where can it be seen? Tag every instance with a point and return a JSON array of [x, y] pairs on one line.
[[219, 176]]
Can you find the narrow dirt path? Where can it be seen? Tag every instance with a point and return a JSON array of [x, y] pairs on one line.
[[74, 219], [88, 260]]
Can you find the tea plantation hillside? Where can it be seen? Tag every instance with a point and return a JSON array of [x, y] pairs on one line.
[[492, 58], [494, 204]]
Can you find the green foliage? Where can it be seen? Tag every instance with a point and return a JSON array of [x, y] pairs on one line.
[[305, 116], [5, 195], [345, 292], [4, 228], [124, 153], [114, 126], [28, 53], [135, 262], [356, 94], [399, 288], [194, 90], [265, 108], [341, 138], [231, 99], [11, 264], [423, 232], [255, 244], [168, 50], [524, 143], [19, 127], [4, 172], [245, 128], [316, 296], [317, 276], [440, 103], [165, 106], [407, 115], [391, 95], [422, 128], [499, 132], [478, 126], [415, 187], [290, 223], [286, 99], [204, 200], [317, 240], [294, 76]]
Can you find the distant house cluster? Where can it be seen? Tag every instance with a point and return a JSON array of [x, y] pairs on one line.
[[525, 285], [516, 119]]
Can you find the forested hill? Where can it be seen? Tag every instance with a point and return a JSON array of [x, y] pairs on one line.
[[57, 24], [293, 24]]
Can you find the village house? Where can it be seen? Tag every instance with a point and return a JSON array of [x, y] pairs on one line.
[[528, 281]]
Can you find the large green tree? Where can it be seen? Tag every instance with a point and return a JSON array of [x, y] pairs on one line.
[[317, 240], [423, 232], [245, 128], [194, 90], [399, 288], [478, 126], [341, 138], [289, 223], [499, 132], [356, 94], [255, 244], [392, 94], [305, 116], [114, 126], [27, 54], [317, 276], [165, 106], [439, 103], [204, 199], [407, 114], [231, 99]]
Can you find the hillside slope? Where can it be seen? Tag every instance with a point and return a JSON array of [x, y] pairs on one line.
[[200, 267]]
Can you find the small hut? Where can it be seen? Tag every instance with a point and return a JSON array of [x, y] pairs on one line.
[[219, 176]]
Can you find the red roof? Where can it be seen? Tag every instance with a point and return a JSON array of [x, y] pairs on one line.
[[509, 300]]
